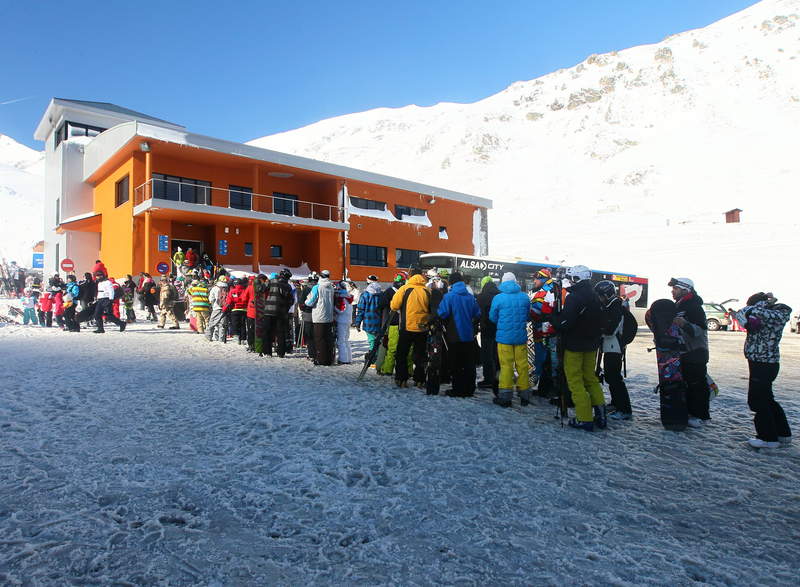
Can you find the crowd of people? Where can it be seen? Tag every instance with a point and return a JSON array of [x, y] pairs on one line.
[[426, 326]]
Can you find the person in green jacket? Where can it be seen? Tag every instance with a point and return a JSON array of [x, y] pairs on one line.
[[178, 258]]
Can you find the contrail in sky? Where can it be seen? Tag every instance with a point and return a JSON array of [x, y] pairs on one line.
[[15, 100]]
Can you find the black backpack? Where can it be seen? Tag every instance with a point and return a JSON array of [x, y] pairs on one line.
[[118, 292], [629, 327]]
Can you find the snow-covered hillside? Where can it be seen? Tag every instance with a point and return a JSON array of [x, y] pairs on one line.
[[626, 161], [21, 199]]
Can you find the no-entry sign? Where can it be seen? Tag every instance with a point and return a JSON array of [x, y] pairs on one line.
[[162, 268], [67, 265]]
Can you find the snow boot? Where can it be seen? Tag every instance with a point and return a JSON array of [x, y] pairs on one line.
[[503, 398], [620, 416], [524, 397], [587, 426], [758, 443], [600, 418]]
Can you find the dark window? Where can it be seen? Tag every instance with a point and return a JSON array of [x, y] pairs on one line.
[[240, 197], [58, 260], [181, 189], [401, 211], [284, 204], [276, 251], [68, 130], [367, 255], [365, 204], [58, 211], [248, 249], [122, 191], [408, 257]]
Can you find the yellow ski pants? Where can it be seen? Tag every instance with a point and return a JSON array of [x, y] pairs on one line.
[[583, 383], [513, 356]]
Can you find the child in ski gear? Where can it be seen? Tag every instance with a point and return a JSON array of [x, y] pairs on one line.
[[343, 312], [612, 350], [28, 308], [580, 324], [510, 311], [58, 307], [461, 312], [412, 301], [691, 320], [764, 320], [46, 309]]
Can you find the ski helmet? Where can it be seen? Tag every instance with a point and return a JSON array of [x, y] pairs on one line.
[[578, 273], [682, 282], [605, 289], [285, 273]]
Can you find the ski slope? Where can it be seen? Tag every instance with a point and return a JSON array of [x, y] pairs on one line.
[[21, 200], [153, 457]]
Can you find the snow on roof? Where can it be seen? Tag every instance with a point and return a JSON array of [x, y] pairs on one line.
[[112, 108]]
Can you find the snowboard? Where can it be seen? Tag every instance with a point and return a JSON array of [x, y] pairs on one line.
[[668, 347], [435, 346], [372, 354]]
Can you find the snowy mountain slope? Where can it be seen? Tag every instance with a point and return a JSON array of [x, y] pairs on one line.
[[621, 158], [21, 200]]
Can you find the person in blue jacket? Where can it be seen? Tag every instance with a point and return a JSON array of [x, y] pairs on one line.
[[511, 310], [460, 310]]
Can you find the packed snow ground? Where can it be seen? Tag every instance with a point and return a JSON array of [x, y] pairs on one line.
[[155, 457]]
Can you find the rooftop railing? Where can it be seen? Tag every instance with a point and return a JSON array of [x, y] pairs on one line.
[[203, 194]]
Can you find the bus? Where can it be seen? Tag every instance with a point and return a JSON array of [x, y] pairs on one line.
[[630, 286]]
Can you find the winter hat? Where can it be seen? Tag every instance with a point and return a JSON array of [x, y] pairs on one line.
[[682, 282], [372, 278], [486, 280], [508, 276], [544, 273]]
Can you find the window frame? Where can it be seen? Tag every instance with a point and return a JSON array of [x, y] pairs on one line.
[[399, 211], [240, 192], [281, 200], [407, 251], [248, 245], [368, 204], [272, 249], [364, 255], [171, 187], [62, 132], [117, 201]]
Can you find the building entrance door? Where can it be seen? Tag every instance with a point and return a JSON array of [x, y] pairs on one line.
[[185, 245]]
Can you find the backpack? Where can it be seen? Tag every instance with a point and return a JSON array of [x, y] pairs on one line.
[[118, 292], [629, 327]]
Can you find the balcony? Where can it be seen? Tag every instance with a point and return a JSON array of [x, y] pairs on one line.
[[200, 197]]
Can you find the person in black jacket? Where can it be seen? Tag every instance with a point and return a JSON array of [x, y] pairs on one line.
[[489, 358], [692, 322], [276, 312], [305, 311], [580, 324], [612, 350]]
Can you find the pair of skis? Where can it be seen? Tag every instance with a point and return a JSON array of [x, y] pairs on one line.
[[372, 353]]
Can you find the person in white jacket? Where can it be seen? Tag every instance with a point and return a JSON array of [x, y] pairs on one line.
[[105, 298], [343, 309]]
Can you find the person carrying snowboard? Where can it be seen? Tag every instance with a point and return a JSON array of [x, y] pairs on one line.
[[580, 324], [764, 320], [691, 319]]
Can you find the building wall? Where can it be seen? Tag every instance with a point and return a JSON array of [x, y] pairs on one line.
[[116, 243]]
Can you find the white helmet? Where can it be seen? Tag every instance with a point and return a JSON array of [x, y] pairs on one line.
[[579, 273]]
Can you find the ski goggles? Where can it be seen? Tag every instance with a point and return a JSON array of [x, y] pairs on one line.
[[678, 283]]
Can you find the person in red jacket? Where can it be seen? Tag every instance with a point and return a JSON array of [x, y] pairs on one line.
[[115, 303], [191, 258], [99, 266], [236, 304], [46, 309], [58, 307], [255, 295]]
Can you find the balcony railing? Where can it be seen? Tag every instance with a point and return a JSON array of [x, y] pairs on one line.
[[206, 195]]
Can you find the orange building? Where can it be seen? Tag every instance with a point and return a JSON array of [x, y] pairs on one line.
[[129, 189]]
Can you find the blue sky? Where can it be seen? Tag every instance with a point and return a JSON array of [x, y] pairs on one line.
[[241, 70]]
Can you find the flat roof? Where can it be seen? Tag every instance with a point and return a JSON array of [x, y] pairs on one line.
[[108, 143]]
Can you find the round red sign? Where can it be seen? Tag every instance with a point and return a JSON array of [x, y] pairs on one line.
[[67, 265]]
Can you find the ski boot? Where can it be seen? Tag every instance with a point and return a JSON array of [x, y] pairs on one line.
[[524, 397], [503, 398], [587, 426], [600, 418]]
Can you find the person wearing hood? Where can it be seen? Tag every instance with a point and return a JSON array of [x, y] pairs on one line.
[[461, 311], [99, 266], [544, 340], [413, 302], [489, 359], [510, 312], [764, 320], [580, 324], [178, 258], [691, 320], [321, 300], [279, 299], [218, 322], [343, 312], [368, 315]]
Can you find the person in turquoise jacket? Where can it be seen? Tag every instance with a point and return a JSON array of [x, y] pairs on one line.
[[511, 310]]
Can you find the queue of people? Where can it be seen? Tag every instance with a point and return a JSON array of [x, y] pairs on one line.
[[574, 327]]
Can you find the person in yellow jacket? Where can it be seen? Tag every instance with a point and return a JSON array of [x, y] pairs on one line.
[[178, 258], [413, 302]]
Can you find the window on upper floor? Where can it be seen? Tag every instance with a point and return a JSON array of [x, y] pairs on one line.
[[366, 204], [276, 251], [181, 189], [368, 255], [408, 257], [285, 204], [248, 249], [401, 211], [122, 191], [241, 197], [68, 130]]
